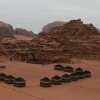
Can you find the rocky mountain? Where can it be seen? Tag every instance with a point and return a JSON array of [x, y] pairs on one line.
[[7, 31], [11, 47], [73, 39]]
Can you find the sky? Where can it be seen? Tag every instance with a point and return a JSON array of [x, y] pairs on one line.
[[34, 14]]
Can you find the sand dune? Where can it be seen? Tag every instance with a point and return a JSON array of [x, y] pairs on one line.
[[88, 89]]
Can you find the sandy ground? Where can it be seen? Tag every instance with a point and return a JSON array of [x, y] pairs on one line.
[[88, 89], [21, 37]]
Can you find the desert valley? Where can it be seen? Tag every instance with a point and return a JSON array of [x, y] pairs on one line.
[[33, 56]]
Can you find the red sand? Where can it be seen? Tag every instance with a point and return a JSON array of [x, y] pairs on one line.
[[88, 89], [24, 38]]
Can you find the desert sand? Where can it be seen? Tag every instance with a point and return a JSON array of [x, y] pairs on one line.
[[21, 37], [87, 89]]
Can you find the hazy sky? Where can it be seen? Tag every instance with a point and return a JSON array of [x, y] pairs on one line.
[[33, 14]]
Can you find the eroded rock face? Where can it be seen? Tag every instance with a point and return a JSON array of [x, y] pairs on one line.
[[12, 48], [16, 50], [74, 39]]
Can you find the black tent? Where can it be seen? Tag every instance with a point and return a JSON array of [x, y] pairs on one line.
[[45, 82]]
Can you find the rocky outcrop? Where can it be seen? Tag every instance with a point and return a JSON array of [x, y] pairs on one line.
[[74, 39], [16, 50], [24, 32], [12, 48], [7, 31]]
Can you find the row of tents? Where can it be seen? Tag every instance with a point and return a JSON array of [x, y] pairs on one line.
[[70, 75], [10, 79]]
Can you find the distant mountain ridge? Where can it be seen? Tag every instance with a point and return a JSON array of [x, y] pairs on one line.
[[49, 26], [7, 30]]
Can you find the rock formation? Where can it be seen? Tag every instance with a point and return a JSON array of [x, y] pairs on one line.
[[73, 39], [12, 48], [7, 31], [24, 32]]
